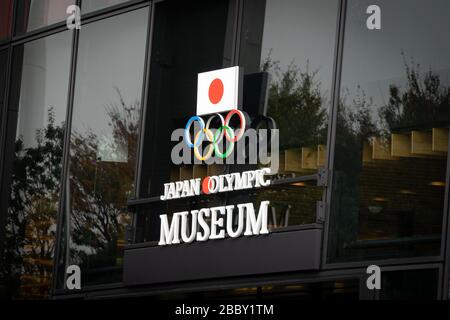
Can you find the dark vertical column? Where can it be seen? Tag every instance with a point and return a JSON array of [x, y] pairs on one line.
[[251, 35], [9, 121], [62, 232], [332, 124], [22, 14]]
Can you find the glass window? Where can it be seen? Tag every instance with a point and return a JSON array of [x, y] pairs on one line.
[[44, 67], [296, 79], [275, 34], [92, 5], [188, 38], [35, 14], [104, 134], [5, 18], [392, 133], [182, 48]]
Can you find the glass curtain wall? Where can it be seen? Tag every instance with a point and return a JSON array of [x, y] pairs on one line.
[[392, 134], [38, 106], [103, 144]]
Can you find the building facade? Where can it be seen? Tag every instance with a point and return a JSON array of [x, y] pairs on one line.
[[358, 90]]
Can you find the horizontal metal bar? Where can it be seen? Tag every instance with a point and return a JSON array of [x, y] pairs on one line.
[[312, 177], [85, 19], [113, 11], [141, 202]]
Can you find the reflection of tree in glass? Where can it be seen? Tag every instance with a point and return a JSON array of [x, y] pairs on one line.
[[31, 225], [99, 189], [99, 207], [422, 104], [297, 105]]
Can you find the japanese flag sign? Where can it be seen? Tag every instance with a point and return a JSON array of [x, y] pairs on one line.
[[219, 91]]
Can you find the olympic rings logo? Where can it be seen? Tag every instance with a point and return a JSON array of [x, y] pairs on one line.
[[215, 139]]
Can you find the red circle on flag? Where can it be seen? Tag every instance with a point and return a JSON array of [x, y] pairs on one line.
[[205, 185], [216, 90]]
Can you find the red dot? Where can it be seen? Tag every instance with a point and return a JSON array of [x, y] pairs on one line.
[[216, 90], [205, 185]]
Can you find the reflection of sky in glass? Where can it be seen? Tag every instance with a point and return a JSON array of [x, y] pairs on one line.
[[111, 57], [45, 82], [373, 58], [302, 31]]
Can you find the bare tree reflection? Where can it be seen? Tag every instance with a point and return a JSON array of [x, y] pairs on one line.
[[100, 185], [99, 191]]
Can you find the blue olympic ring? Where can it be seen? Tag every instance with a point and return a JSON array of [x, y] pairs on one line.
[[187, 136]]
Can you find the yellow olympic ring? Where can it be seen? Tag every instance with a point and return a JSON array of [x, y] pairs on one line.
[[210, 137]]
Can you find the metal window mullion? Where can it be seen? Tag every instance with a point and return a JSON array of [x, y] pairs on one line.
[[66, 157], [143, 116], [332, 123], [4, 113], [238, 32], [445, 238]]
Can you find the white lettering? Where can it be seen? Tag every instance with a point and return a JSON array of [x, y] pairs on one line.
[[209, 223], [240, 228], [217, 222], [169, 235], [184, 227], [217, 184], [374, 20], [256, 226], [202, 223]]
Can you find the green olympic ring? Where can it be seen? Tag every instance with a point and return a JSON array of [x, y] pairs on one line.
[[230, 149]]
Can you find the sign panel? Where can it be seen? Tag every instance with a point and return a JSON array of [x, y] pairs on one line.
[[277, 252]]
